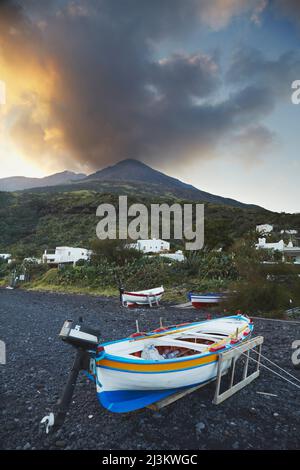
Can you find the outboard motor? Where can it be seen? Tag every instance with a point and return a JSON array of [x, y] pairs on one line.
[[79, 335], [85, 340]]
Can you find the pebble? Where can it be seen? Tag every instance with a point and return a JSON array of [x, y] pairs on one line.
[[60, 444], [193, 420], [200, 427]]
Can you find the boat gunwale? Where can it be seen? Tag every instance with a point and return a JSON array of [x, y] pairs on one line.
[[206, 299], [207, 294], [139, 294], [115, 358], [160, 370], [152, 333]]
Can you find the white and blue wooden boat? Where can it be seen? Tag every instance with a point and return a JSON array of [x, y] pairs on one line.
[[206, 300], [134, 372]]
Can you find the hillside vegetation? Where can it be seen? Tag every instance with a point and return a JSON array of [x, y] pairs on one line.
[[253, 287], [31, 221]]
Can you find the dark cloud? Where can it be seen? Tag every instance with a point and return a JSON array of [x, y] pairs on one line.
[[290, 8], [114, 94], [252, 143], [250, 65]]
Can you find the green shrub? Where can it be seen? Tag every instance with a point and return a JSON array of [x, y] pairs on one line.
[[113, 251], [34, 270], [50, 277], [209, 265], [259, 297]]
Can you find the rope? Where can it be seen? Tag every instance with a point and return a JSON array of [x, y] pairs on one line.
[[269, 360], [268, 368], [271, 370], [276, 365]]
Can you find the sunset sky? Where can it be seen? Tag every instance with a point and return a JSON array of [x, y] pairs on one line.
[[199, 89]]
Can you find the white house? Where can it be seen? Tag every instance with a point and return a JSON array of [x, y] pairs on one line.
[[262, 244], [293, 253], [66, 255], [289, 232], [264, 228], [288, 251], [151, 246], [177, 256]]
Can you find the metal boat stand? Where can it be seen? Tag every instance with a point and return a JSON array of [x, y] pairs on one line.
[[233, 355], [156, 301]]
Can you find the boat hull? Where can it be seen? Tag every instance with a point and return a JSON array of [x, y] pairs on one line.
[[204, 303], [124, 390], [205, 300], [142, 298], [124, 401]]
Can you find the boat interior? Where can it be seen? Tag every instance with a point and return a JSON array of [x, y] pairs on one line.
[[189, 342]]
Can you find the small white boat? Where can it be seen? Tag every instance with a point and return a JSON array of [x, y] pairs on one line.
[[133, 372], [143, 297]]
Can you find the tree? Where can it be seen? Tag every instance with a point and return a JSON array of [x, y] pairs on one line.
[[114, 251]]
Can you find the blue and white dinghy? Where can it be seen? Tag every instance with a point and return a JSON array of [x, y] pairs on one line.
[[208, 299], [146, 367]]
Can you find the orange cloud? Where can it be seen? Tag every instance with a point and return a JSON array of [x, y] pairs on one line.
[[84, 88]]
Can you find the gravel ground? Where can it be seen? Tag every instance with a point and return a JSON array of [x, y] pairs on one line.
[[38, 363]]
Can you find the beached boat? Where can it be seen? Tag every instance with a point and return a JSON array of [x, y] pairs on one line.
[[145, 368], [134, 372], [206, 300], [143, 297]]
